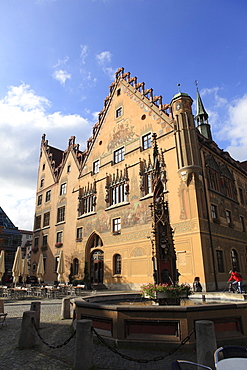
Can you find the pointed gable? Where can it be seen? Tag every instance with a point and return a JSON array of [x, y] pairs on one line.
[[130, 111], [56, 158]]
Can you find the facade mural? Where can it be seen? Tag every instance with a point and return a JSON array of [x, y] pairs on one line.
[[151, 193]]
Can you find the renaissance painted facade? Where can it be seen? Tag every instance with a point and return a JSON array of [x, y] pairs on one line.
[[152, 197]]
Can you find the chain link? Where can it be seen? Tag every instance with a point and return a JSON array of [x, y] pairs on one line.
[[142, 361], [51, 345]]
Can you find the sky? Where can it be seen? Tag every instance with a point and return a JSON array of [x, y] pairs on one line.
[[59, 57]]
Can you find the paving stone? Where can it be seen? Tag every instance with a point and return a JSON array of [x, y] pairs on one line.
[[56, 331]]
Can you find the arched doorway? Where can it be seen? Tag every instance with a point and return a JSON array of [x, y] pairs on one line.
[[96, 259], [97, 267]]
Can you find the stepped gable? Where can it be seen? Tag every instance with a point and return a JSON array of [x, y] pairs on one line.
[[153, 100], [57, 157]]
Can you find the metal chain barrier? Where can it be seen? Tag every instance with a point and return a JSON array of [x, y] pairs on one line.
[[143, 361], [51, 345]]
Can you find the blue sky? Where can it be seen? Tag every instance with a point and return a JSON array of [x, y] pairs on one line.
[[58, 59]]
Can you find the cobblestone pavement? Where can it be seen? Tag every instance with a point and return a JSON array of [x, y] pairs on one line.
[[55, 331]]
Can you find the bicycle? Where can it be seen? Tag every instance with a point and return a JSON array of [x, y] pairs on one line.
[[232, 287]]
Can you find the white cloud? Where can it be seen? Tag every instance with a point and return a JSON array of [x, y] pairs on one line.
[[229, 121], [83, 54], [236, 128], [104, 59], [19, 205], [61, 76], [95, 116], [24, 117], [23, 97], [219, 101], [61, 62]]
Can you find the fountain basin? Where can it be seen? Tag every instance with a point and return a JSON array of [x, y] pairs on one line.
[[164, 325]]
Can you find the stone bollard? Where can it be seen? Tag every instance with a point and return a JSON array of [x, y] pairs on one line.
[[205, 342], [83, 345], [35, 306], [65, 312], [28, 334]]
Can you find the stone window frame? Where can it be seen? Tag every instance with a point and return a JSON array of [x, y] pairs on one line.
[[63, 188], [39, 201], [119, 112], [147, 141], [46, 219], [48, 196], [96, 165], [118, 155], [117, 264], [61, 214], [116, 225]]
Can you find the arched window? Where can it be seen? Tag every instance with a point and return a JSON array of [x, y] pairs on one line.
[[75, 266], [234, 258], [117, 264]]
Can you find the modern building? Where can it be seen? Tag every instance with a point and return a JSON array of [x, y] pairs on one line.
[[151, 198], [10, 239], [26, 245]]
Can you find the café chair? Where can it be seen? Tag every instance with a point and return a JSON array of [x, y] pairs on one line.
[[176, 365], [230, 356]]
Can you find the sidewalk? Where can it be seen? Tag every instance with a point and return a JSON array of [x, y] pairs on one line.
[[55, 331]]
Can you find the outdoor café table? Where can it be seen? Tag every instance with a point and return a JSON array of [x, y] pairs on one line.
[[36, 291], [233, 363], [63, 289], [52, 292], [43, 290], [17, 292], [2, 290], [78, 289]]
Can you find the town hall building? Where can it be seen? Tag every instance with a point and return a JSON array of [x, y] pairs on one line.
[[151, 198]]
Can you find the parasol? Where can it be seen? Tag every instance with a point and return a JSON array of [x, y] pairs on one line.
[[24, 273], [60, 267], [2, 265], [40, 269], [17, 266]]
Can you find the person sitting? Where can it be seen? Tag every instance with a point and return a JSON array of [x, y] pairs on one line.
[[236, 279], [197, 285]]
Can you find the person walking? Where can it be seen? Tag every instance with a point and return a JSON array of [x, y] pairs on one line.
[[237, 279], [197, 285]]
